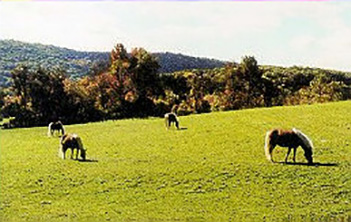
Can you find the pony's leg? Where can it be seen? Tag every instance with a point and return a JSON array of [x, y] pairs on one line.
[[72, 151], [177, 124], [294, 158], [166, 123], [287, 155], [271, 148], [77, 154]]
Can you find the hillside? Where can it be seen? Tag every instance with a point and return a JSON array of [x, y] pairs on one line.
[[75, 63], [171, 62], [78, 63], [212, 170]]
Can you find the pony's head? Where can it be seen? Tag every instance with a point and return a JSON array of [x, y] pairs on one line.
[[80, 146], [308, 156], [83, 154]]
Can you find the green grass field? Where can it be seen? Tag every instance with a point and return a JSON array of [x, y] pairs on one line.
[[213, 170]]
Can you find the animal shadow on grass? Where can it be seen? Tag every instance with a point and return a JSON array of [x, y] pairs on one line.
[[183, 128], [87, 161], [316, 164]]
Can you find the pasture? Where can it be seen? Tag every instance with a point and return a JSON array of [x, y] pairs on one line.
[[215, 169]]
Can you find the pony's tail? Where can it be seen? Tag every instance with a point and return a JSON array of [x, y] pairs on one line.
[[60, 151], [306, 141], [49, 129], [267, 146]]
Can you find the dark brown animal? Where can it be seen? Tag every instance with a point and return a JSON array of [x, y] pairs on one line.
[[58, 126], [291, 139], [73, 142], [171, 118]]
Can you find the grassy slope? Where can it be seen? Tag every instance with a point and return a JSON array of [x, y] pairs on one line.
[[215, 169]]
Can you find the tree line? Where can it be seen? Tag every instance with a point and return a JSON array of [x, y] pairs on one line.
[[131, 86]]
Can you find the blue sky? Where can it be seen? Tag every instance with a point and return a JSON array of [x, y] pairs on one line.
[[316, 34]]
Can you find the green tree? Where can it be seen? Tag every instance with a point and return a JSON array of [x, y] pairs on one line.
[[41, 95], [144, 68], [20, 80], [137, 79], [252, 75], [322, 89]]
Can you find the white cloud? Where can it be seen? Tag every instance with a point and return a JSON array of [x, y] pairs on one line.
[[224, 30]]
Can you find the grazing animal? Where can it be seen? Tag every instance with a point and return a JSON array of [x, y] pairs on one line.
[[171, 118], [291, 139], [58, 126], [71, 141]]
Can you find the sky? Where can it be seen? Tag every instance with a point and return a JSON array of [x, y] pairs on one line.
[[285, 33]]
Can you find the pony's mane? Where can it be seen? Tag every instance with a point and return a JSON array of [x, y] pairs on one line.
[[80, 146], [307, 142], [79, 141]]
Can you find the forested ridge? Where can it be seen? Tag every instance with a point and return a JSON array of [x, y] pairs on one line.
[[131, 85], [79, 63]]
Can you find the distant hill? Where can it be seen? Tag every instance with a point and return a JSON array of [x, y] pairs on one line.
[[75, 63], [171, 62], [78, 63]]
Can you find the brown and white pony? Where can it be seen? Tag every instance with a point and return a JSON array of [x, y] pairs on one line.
[[171, 118], [291, 139], [71, 141], [58, 126]]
